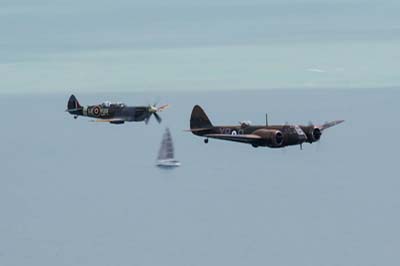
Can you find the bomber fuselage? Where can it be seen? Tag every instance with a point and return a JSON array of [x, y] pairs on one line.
[[284, 135]]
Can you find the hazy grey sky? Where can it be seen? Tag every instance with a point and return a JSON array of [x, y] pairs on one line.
[[91, 46], [88, 194]]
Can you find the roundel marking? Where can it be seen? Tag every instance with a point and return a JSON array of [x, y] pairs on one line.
[[96, 111], [233, 133]]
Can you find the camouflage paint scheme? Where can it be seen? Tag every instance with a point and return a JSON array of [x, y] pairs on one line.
[[114, 113], [273, 136]]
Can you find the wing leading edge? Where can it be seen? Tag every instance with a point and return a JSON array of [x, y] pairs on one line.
[[112, 121], [330, 124]]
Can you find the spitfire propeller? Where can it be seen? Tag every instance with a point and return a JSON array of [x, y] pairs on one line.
[[153, 110]]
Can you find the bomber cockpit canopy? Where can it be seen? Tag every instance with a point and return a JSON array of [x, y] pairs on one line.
[[244, 124]]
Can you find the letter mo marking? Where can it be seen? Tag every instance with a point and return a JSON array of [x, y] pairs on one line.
[[231, 131]]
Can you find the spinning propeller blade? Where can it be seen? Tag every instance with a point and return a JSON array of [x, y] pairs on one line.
[[158, 118], [153, 110], [162, 108]]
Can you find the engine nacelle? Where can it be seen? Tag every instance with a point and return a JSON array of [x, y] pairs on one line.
[[313, 134], [271, 137]]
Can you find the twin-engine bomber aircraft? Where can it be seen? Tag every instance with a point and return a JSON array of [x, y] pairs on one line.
[[114, 113], [273, 136]]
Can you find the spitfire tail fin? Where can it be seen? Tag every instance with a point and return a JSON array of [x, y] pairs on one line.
[[73, 106], [199, 119]]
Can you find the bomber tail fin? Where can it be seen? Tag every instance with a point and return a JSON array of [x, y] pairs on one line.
[[73, 106], [199, 120]]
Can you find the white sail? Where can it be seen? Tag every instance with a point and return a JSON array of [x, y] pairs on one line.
[[166, 149], [166, 153]]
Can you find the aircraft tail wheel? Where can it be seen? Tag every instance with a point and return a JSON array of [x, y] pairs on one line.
[[205, 141], [75, 116]]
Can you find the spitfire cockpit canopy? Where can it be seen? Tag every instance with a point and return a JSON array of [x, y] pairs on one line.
[[109, 104], [119, 104], [106, 104]]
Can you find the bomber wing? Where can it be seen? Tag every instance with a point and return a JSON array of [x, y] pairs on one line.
[[198, 129], [330, 124], [248, 138]]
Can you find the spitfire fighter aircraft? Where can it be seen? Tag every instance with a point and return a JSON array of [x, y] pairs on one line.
[[114, 113], [273, 136]]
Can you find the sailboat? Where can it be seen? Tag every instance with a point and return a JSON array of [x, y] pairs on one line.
[[165, 157]]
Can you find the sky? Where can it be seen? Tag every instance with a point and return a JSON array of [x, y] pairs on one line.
[[130, 46], [80, 193], [88, 194]]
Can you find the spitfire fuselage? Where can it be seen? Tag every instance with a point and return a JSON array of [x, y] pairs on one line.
[[112, 111], [115, 113]]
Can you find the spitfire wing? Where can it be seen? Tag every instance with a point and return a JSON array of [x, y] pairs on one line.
[[114, 120], [330, 124], [249, 138]]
